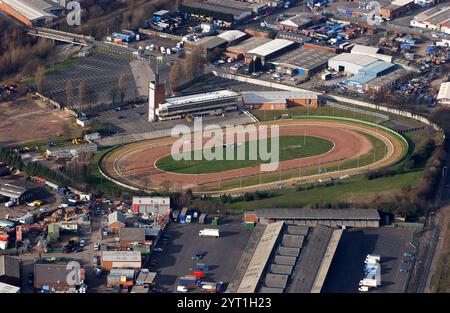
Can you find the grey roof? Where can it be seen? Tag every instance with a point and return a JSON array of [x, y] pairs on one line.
[[271, 47], [7, 288], [276, 96], [116, 217], [51, 273], [12, 191], [232, 35], [121, 256], [298, 20], [276, 280], [9, 266], [209, 42], [271, 290], [227, 7], [132, 234], [249, 44], [319, 214], [305, 58], [280, 269]]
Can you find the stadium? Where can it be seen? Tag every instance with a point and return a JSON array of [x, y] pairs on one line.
[[312, 149]]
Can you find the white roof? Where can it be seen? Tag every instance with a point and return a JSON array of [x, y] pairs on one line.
[[364, 49], [232, 35], [361, 60], [276, 96], [444, 91], [6, 288], [200, 97], [121, 256], [26, 9], [401, 2], [151, 200], [271, 47]]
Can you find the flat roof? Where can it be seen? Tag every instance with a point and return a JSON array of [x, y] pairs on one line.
[[444, 91], [319, 214], [361, 60], [200, 97], [232, 35], [401, 2], [249, 44], [121, 256], [305, 58], [26, 9], [271, 47], [359, 79], [276, 96], [260, 258], [364, 49]]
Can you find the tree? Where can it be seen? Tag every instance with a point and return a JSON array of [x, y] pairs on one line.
[[81, 95], [174, 76], [69, 94], [258, 64], [122, 85], [195, 63], [40, 79]]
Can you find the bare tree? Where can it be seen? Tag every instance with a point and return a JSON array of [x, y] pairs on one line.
[[69, 94], [81, 95], [174, 76], [195, 63], [122, 84], [40, 79]]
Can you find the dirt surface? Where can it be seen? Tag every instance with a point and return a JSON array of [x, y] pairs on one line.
[[24, 120], [134, 164]]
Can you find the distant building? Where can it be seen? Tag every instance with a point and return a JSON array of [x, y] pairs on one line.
[[232, 36], [270, 50], [223, 10], [396, 8], [130, 236], [56, 277], [295, 23], [31, 12], [443, 96], [208, 45], [371, 52], [151, 205], [278, 100], [15, 193], [437, 18]]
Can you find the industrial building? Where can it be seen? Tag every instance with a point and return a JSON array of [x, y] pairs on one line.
[[223, 10], [371, 52], [327, 217], [202, 104], [278, 100], [116, 220], [7, 288], [443, 96], [31, 12], [270, 50], [9, 270], [232, 37], [436, 18], [151, 205], [285, 258], [121, 259], [303, 61], [368, 73], [16, 194], [54, 277], [296, 37], [130, 236], [238, 51], [396, 8], [349, 63], [296, 22], [207, 45], [71, 151]]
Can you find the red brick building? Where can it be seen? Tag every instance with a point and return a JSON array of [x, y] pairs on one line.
[[278, 100]]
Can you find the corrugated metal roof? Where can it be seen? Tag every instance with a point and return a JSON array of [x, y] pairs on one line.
[[232, 35], [27, 10], [275, 96], [376, 67], [6, 288], [209, 42], [444, 91], [249, 44], [364, 49], [324, 214], [361, 60], [121, 256], [401, 3], [9, 266], [132, 234], [271, 47]]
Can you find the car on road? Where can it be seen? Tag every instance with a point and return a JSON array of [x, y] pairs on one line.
[[198, 255], [363, 289], [404, 270]]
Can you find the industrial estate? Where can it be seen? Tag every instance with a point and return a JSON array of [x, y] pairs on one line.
[[135, 138]]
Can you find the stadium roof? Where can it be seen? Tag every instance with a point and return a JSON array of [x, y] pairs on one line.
[[444, 91], [276, 96], [200, 97], [361, 60], [232, 35], [271, 47], [28, 10], [324, 214]]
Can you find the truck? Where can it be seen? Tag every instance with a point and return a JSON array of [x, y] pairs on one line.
[[209, 232], [372, 258], [203, 218], [183, 215], [201, 267], [188, 280]]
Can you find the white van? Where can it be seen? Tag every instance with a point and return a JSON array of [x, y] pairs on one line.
[[9, 204], [181, 289]]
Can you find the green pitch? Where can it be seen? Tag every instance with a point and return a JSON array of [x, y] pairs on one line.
[[291, 147]]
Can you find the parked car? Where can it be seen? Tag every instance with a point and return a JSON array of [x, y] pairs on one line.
[[158, 249], [96, 247], [181, 289], [95, 260], [82, 242], [199, 255], [404, 270]]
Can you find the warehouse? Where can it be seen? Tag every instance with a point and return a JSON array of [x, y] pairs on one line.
[[270, 49], [396, 8], [30, 12], [202, 104], [152, 205], [9, 270], [54, 277], [371, 52], [116, 220], [386, 82], [232, 37], [121, 259], [278, 100], [443, 96], [238, 51], [16, 194], [327, 217], [349, 63], [295, 23], [223, 10], [437, 18], [130, 236], [303, 61], [208, 45], [367, 74]]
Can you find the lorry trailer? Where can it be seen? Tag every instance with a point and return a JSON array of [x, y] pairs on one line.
[[209, 232]]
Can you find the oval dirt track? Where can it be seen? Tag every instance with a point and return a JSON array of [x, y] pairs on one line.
[[134, 164]]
